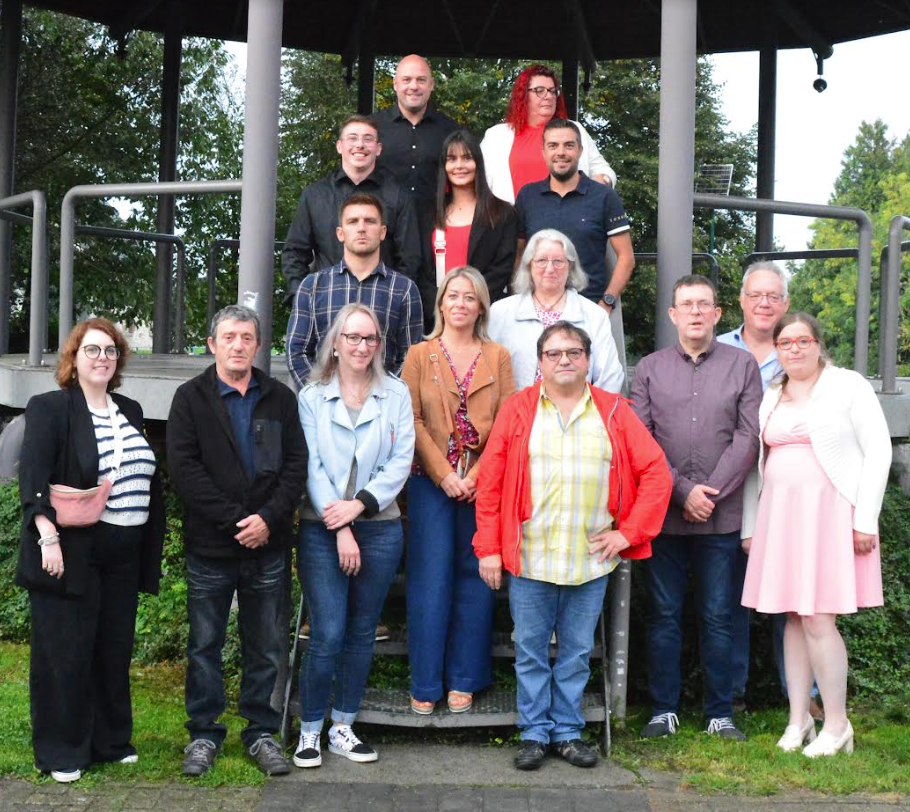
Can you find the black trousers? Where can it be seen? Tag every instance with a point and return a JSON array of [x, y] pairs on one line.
[[81, 651]]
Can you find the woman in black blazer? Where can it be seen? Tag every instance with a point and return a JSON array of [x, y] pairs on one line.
[[472, 226], [84, 583]]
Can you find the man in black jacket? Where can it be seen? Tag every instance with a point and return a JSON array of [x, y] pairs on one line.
[[311, 239], [237, 458]]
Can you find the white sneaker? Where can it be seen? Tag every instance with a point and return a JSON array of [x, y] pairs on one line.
[[133, 758], [308, 754], [344, 742], [66, 776]]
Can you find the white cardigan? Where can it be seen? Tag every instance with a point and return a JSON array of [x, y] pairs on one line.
[[850, 438], [514, 323], [497, 146]]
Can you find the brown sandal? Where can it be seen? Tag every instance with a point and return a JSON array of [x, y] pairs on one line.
[[422, 708], [459, 701]]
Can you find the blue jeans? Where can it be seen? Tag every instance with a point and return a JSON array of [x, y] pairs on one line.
[[712, 558], [343, 611], [550, 697], [740, 618], [211, 583], [450, 609]]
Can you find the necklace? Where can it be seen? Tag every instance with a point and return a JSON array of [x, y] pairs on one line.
[[549, 307], [356, 395]]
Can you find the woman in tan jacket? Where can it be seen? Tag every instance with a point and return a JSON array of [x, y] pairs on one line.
[[458, 379]]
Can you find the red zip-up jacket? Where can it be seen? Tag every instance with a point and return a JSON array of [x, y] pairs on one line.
[[640, 480]]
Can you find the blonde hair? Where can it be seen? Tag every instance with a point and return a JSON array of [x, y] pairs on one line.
[[482, 292], [327, 362], [523, 282]]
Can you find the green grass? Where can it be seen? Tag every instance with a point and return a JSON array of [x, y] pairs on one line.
[[881, 763]]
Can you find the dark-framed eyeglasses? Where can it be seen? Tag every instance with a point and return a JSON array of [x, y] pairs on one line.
[[354, 339], [93, 351], [540, 92], [555, 356]]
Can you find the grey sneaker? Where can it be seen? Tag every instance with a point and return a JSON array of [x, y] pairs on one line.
[[199, 757], [269, 758], [723, 726], [661, 724]]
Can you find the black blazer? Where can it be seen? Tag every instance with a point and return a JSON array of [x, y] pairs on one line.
[[490, 249], [60, 447]]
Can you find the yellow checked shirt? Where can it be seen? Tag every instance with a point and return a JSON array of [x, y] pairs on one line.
[[570, 488]]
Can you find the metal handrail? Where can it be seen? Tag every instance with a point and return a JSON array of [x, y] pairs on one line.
[[37, 325], [891, 301], [808, 253], [704, 257], [864, 276], [68, 224]]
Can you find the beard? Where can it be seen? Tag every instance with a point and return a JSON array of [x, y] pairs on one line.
[[562, 177]]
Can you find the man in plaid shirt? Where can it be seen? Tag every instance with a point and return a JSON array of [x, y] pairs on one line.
[[361, 276]]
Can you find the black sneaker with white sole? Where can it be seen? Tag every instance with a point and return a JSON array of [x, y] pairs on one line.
[[308, 753], [723, 726], [344, 742], [661, 724]]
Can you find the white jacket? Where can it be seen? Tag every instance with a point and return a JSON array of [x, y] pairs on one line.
[[851, 441], [514, 323], [497, 146]]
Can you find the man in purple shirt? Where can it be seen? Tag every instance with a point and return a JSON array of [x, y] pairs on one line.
[[699, 399]]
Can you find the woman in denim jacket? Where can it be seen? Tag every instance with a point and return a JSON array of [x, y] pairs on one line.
[[359, 427]]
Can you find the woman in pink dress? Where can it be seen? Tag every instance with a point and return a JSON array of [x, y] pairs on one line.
[[812, 534]]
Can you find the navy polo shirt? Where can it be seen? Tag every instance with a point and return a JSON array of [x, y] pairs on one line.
[[588, 215], [240, 409]]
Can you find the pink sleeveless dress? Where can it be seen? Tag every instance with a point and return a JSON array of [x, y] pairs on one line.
[[802, 557]]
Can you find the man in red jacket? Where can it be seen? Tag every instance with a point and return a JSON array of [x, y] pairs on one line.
[[570, 482]]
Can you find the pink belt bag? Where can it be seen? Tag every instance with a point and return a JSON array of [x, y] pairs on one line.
[[77, 507]]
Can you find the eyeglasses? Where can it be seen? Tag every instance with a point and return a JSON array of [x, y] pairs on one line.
[[700, 307], [803, 342], [772, 298], [557, 263], [93, 351], [574, 354], [354, 339], [366, 140], [540, 92]]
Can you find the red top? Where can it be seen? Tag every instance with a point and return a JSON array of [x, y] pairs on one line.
[[457, 238], [640, 480], [526, 162]]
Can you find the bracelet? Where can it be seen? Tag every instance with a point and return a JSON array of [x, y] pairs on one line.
[[48, 540]]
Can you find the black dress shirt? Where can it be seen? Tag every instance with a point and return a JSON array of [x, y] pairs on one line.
[[312, 233]]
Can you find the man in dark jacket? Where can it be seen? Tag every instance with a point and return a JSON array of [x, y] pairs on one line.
[[237, 458], [311, 239]]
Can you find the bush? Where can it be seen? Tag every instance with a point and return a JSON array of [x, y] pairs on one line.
[[14, 623]]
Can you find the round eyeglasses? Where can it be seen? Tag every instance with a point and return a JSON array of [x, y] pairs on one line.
[[93, 351]]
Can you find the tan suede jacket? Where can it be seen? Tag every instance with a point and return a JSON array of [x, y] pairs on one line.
[[491, 385]]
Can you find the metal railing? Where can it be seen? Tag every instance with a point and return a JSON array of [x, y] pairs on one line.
[[891, 302], [697, 258], [808, 253], [864, 275], [152, 236], [37, 326], [68, 224]]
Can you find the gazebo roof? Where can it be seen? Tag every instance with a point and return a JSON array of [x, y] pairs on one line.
[[513, 28]]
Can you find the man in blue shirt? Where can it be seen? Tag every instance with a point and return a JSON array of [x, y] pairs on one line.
[[764, 299], [588, 213]]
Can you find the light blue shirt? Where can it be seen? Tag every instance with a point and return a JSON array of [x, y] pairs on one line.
[[770, 368]]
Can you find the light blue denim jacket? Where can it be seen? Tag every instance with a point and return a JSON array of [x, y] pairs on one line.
[[382, 442]]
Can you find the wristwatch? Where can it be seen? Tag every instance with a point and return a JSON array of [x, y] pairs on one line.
[[609, 300]]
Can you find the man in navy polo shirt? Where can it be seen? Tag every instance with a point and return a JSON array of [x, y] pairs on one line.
[[589, 213]]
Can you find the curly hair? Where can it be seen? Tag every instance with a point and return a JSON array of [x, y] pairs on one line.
[[517, 111], [66, 361]]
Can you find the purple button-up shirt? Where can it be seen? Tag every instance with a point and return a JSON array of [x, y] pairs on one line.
[[704, 415]]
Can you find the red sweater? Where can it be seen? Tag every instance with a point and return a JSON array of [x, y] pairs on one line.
[[640, 480]]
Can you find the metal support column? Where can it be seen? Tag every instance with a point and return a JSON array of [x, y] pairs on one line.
[[256, 283], [676, 156], [10, 43], [366, 78], [570, 85], [167, 172], [767, 125]]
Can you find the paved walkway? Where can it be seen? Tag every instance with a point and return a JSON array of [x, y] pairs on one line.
[[438, 778]]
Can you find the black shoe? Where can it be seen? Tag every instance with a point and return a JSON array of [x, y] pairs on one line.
[[269, 758], [199, 756], [577, 753], [308, 753], [723, 726], [662, 724], [530, 755]]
